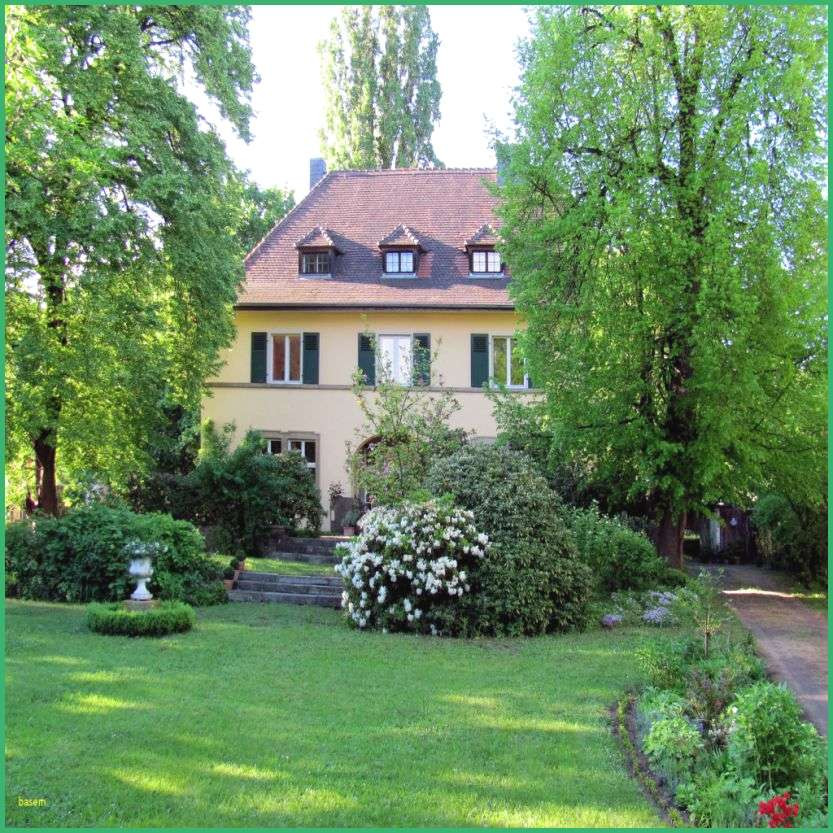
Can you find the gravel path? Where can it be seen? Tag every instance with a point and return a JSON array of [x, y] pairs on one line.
[[791, 637]]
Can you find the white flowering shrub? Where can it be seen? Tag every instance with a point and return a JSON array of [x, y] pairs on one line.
[[410, 567]]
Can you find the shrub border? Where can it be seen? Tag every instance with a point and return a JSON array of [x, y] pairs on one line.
[[114, 619], [622, 724]]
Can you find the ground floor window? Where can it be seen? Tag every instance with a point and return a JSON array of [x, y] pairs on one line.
[[306, 448]]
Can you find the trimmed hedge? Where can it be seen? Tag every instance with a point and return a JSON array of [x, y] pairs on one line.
[[531, 580], [79, 557], [115, 619]]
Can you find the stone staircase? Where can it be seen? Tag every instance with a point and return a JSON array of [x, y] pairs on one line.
[[317, 589], [299, 590]]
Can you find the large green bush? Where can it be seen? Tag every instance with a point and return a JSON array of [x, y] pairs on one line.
[[619, 557], [531, 580], [246, 492], [240, 495], [80, 557]]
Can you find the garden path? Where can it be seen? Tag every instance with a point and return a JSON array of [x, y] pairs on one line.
[[791, 636]]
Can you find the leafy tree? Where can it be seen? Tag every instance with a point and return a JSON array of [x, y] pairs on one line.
[[383, 98], [122, 259], [404, 429], [262, 209], [665, 219]]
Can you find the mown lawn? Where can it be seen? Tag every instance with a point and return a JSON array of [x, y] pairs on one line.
[[288, 568], [272, 715]]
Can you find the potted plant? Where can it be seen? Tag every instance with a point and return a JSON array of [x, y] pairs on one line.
[[230, 575], [349, 521], [336, 492], [237, 564]]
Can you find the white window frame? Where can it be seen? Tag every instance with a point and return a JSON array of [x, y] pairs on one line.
[[303, 441], [315, 275], [494, 382], [380, 366], [270, 353], [398, 274], [488, 273], [286, 437]]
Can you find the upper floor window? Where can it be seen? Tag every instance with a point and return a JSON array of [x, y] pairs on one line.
[[315, 263], [396, 355], [507, 363], [486, 262], [286, 357], [399, 263]]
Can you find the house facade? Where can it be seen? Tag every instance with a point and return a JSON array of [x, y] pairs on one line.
[[371, 270]]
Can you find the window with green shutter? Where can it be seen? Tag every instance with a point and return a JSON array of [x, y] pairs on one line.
[[258, 364], [310, 363], [422, 359], [479, 360], [367, 359]]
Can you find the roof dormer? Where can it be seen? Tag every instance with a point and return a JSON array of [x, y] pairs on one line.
[[484, 260], [400, 253], [316, 253]]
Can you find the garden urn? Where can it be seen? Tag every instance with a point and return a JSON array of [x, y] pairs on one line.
[[141, 569]]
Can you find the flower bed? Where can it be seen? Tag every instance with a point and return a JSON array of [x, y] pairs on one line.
[[410, 567], [727, 744]]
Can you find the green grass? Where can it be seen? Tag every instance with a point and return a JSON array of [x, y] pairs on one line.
[[273, 715], [276, 565], [288, 568]]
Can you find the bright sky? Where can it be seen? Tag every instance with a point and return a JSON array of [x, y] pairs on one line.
[[476, 67]]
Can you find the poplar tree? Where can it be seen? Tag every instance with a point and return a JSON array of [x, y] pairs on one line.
[[379, 67], [665, 220]]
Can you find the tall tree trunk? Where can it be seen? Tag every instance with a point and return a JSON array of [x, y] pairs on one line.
[[47, 485], [670, 535]]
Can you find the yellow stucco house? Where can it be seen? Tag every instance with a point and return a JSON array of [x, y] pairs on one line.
[[407, 255]]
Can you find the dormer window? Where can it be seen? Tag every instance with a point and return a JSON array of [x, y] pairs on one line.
[[315, 263], [400, 253], [316, 254], [486, 261], [400, 261]]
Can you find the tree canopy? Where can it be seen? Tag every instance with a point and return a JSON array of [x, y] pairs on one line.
[[665, 218], [121, 219], [379, 67], [263, 208]]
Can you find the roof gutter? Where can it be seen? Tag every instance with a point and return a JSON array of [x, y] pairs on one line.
[[398, 307]]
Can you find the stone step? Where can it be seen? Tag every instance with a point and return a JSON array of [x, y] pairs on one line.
[[252, 575], [328, 600], [289, 587], [303, 558]]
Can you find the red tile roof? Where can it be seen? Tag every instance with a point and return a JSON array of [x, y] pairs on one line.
[[442, 209], [317, 237]]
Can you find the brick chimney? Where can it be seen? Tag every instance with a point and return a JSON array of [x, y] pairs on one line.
[[317, 169]]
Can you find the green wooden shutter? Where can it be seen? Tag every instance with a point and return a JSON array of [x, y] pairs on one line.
[[258, 357], [479, 360], [422, 359], [367, 359], [310, 374]]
